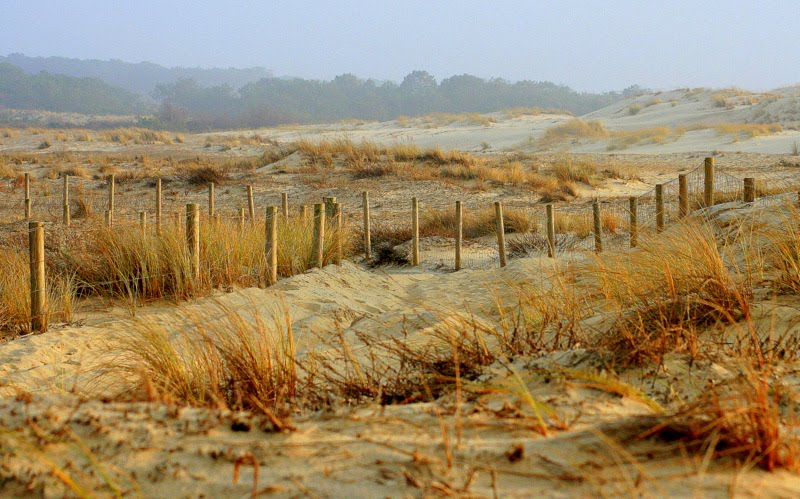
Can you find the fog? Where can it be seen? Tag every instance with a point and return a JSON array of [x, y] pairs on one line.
[[588, 45]]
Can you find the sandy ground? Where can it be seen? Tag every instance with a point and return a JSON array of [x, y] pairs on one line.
[[63, 411]]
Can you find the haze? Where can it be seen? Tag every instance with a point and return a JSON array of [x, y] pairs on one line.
[[589, 45]]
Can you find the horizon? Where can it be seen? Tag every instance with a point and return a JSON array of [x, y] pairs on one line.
[[717, 44]]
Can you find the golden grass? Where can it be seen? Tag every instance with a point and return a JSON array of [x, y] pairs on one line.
[[437, 120], [517, 112], [475, 223], [15, 312], [573, 130], [748, 130], [658, 135], [663, 293], [222, 359], [122, 262]]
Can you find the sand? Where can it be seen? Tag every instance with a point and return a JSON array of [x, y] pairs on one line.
[[64, 410]]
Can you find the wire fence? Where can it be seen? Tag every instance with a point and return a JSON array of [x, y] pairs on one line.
[[391, 229]]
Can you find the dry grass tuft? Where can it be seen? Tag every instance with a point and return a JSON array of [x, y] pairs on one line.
[[573, 130]]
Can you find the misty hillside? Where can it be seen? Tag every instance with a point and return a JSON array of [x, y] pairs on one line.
[[140, 78], [59, 93]]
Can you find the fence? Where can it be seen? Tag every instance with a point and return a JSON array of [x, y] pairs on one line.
[[452, 238]]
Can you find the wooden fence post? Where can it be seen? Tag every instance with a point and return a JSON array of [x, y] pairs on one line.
[[633, 227], [367, 235], [193, 237], [251, 207], [27, 197], [66, 200], [211, 201], [38, 279], [659, 207], [459, 233], [683, 196], [143, 223], [414, 232], [111, 184], [304, 213], [708, 173], [749, 190], [158, 205], [598, 227], [551, 231], [272, 245], [329, 202], [318, 244], [241, 219], [337, 227], [501, 232], [285, 205]]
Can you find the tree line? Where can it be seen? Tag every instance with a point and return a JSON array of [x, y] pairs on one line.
[[188, 105]]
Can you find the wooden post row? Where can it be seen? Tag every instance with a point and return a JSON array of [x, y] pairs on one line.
[[551, 231], [143, 223], [27, 200], [749, 190], [285, 205], [272, 244], [158, 205], [501, 235], [683, 196], [66, 201], [38, 281], [708, 188], [318, 244], [597, 227], [193, 238], [459, 233], [251, 207], [211, 201], [337, 227], [659, 207], [111, 186], [414, 232], [367, 235], [633, 228]]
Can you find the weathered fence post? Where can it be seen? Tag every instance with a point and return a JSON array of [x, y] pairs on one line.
[[241, 219], [551, 231], [414, 232], [708, 185], [598, 227], [285, 205], [318, 244], [304, 213], [66, 200], [337, 227], [38, 282], [659, 207], [633, 227], [27, 197], [367, 235], [111, 183], [211, 201], [158, 205], [329, 202], [459, 233], [143, 223], [749, 190], [501, 232], [251, 207], [272, 245], [193, 237], [683, 196]]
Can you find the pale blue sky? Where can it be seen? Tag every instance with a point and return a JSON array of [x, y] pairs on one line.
[[590, 45]]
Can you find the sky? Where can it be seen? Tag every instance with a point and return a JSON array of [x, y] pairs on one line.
[[589, 45]]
